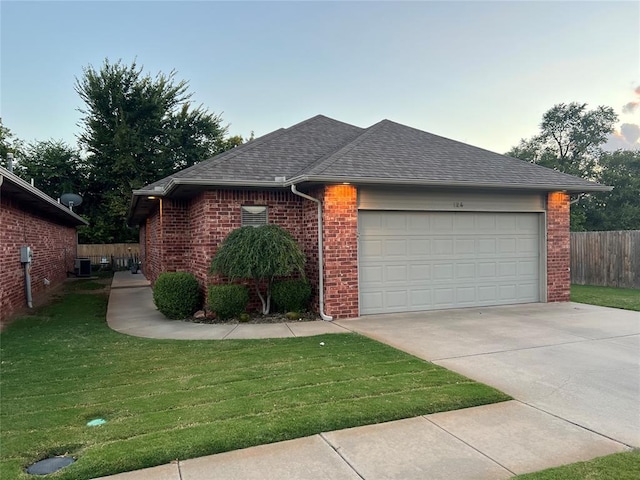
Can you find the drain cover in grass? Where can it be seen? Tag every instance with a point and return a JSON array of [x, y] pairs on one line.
[[97, 422], [49, 465]]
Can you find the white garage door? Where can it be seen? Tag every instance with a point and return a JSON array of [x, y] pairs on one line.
[[412, 261]]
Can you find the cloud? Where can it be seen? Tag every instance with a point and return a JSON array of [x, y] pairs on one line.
[[630, 132], [626, 138], [633, 105]]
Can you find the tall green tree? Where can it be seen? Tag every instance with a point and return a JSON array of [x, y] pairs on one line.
[[618, 209], [55, 167], [570, 141], [137, 128]]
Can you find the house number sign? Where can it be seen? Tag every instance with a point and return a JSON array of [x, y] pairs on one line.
[[458, 205]]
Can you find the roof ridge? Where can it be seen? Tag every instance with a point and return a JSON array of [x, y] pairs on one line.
[[325, 162]]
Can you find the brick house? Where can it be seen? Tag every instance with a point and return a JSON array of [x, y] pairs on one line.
[[410, 221], [29, 217]]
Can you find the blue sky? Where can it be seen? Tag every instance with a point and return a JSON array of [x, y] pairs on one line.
[[478, 72]]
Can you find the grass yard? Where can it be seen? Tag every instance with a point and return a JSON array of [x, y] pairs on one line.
[[620, 466], [626, 298], [165, 400]]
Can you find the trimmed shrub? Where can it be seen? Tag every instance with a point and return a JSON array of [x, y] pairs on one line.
[[176, 294], [228, 300], [291, 295]]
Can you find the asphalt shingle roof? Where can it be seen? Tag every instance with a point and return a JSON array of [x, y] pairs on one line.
[[322, 149]]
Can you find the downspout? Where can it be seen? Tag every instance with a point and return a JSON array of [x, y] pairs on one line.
[[323, 315], [27, 284]]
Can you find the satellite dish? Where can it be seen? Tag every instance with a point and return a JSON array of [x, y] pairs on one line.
[[70, 200]]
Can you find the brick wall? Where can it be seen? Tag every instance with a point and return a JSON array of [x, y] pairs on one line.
[[340, 218], [186, 236], [54, 251], [558, 248]]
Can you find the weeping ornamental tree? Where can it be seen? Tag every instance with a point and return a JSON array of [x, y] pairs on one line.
[[260, 254]]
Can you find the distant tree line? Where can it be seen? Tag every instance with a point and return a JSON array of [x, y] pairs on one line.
[[136, 129], [570, 141]]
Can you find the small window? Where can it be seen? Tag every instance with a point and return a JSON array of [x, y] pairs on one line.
[[254, 216]]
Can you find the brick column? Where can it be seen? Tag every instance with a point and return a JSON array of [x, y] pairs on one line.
[[558, 248], [340, 217]]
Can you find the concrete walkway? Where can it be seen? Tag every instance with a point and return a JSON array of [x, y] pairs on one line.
[[488, 442], [131, 311]]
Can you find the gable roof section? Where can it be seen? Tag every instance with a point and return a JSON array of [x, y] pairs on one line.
[[28, 196], [282, 153], [323, 150], [389, 152]]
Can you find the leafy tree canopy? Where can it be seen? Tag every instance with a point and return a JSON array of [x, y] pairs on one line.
[[260, 254], [137, 128], [570, 139], [55, 167], [618, 209]]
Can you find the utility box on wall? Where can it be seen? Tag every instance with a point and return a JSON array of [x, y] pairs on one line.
[[83, 267], [26, 255]]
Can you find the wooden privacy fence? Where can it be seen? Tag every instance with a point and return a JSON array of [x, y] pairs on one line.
[[609, 259], [116, 255]]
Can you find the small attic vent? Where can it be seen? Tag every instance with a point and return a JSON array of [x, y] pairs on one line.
[[254, 216]]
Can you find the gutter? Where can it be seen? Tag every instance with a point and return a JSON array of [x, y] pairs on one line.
[[596, 187], [323, 315], [38, 194]]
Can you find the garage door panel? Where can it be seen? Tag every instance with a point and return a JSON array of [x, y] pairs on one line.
[[527, 246], [371, 248], [442, 246], [465, 271], [487, 293], [465, 246], [371, 275], [396, 273], [433, 260], [419, 247], [487, 246], [443, 297], [466, 295], [420, 299], [419, 273]]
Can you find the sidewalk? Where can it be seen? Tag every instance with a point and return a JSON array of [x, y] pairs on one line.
[[131, 311], [487, 442]]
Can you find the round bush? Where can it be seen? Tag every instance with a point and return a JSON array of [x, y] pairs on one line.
[[228, 300], [176, 294], [291, 295]]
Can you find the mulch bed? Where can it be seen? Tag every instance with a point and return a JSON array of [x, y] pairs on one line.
[[257, 317]]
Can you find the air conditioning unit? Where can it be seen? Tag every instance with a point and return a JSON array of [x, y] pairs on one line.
[[83, 267]]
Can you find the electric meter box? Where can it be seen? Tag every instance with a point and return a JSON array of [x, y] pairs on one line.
[[25, 255]]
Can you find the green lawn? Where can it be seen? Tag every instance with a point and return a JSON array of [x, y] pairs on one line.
[[165, 400], [621, 466], [627, 298]]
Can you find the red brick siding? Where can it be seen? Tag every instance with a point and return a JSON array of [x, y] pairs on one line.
[[185, 237], [309, 244], [150, 246], [558, 248], [54, 249], [340, 218]]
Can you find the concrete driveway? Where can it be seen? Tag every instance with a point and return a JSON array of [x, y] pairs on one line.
[[574, 361]]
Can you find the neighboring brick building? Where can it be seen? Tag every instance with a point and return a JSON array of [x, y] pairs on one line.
[[410, 221], [28, 217]]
